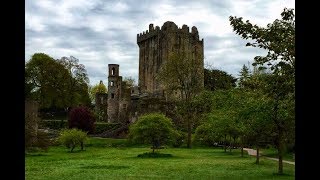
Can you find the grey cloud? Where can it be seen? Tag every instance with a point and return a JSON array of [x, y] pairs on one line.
[[117, 43]]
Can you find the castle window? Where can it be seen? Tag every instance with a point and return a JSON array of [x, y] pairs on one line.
[[112, 95], [111, 83], [113, 71], [124, 106]]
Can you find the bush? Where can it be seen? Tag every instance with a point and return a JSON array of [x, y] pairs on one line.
[[82, 118], [206, 134], [54, 124], [179, 139], [72, 137], [154, 129], [101, 127]]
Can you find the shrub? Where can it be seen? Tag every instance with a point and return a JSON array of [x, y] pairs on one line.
[[72, 137], [206, 134], [54, 124], [101, 127], [179, 139], [154, 129], [82, 118]]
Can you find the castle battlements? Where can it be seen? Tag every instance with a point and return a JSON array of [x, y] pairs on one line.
[[168, 26]]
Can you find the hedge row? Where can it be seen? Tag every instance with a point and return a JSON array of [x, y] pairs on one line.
[[59, 124]]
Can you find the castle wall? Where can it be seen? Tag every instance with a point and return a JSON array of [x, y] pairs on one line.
[[156, 44]]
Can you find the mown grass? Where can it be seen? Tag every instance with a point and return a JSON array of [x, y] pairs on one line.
[[272, 152], [112, 159]]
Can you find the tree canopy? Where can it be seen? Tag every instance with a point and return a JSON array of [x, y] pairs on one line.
[[215, 79], [278, 86], [55, 83]]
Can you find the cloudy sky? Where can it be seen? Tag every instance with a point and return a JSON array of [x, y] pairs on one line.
[[102, 32]]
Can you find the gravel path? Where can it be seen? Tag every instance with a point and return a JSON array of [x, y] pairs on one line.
[[253, 152]]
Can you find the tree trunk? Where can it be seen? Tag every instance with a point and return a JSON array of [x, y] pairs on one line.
[[189, 134], [258, 155], [230, 144], [241, 150], [280, 153], [72, 147], [81, 145], [225, 143]]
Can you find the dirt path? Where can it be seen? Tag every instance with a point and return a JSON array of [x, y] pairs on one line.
[[253, 152]]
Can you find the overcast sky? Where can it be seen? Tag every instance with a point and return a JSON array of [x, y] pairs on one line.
[[102, 32]]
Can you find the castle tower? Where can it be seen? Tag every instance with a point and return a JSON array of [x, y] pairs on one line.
[[156, 44], [114, 92]]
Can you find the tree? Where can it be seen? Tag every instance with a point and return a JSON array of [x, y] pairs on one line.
[[82, 118], [215, 79], [181, 74], [244, 75], [54, 84], [98, 88], [155, 129], [130, 82], [278, 38], [72, 137], [181, 78], [45, 81], [78, 83]]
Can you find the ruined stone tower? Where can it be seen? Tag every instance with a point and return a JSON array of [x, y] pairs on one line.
[[119, 99], [155, 46], [114, 92]]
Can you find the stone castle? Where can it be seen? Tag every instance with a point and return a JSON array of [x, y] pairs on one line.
[[121, 102]]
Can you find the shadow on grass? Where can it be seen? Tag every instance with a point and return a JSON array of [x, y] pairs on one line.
[[35, 154], [154, 155], [113, 167], [283, 174]]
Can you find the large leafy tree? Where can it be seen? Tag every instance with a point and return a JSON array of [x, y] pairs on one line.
[[55, 83], [182, 78], [45, 81], [155, 129], [278, 38], [78, 82], [215, 79]]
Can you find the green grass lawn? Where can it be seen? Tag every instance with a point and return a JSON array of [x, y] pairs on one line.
[[111, 159], [272, 152]]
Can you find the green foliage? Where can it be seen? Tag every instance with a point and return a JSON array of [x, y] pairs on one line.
[[154, 129], [207, 134], [278, 87], [182, 74], [103, 127], [54, 124], [129, 81], [72, 138], [179, 139], [98, 88], [56, 83], [244, 75], [215, 79]]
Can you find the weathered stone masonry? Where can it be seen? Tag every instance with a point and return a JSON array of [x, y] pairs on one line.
[[155, 46]]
